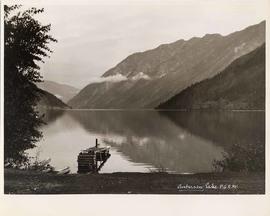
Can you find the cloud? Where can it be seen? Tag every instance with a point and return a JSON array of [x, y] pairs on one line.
[[113, 78], [140, 75], [119, 77]]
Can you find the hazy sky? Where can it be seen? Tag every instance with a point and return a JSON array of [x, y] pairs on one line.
[[93, 38]]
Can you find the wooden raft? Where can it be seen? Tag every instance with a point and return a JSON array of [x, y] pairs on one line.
[[92, 159]]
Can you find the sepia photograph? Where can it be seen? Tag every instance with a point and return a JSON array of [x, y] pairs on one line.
[[134, 98]]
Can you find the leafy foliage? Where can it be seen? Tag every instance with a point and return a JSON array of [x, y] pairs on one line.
[[250, 158], [26, 43]]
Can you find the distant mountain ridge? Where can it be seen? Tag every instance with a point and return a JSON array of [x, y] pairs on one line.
[[62, 91], [154, 76], [240, 86], [49, 101]]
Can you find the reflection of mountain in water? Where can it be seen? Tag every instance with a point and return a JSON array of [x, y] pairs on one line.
[[178, 141], [48, 117], [51, 115], [150, 138], [223, 128], [127, 123]]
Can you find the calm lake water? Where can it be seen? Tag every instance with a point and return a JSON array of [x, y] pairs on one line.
[[141, 141]]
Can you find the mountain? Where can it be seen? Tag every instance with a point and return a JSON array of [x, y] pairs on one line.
[[240, 86], [49, 101], [152, 77], [61, 91]]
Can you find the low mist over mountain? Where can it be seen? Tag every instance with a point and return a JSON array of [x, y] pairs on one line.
[[240, 86], [61, 91], [49, 101], [147, 79]]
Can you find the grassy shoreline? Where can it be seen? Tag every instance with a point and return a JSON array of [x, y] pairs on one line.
[[33, 182]]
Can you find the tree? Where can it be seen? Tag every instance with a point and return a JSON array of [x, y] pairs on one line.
[[25, 44]]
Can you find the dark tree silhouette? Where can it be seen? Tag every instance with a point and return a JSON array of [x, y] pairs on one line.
[[25, 44]]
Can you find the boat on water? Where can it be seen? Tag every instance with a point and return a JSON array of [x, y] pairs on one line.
[[48, 169], [7, 164], [44, 162], [66, 170]]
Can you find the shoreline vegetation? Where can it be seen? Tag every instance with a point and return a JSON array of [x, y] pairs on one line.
[[35, 182]]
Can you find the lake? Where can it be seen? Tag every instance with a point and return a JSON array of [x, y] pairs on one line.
[[148, 140]]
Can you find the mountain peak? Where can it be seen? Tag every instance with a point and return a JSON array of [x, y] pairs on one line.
[[212, 35], [165, 71], [62, 91]]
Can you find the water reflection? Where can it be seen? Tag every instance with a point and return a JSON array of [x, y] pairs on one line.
[[242, 134], [223, 128], [50, 115], [15, 151], [180, 142]]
